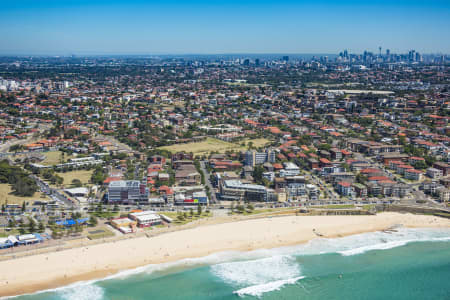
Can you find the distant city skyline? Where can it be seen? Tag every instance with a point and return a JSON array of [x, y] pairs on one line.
[[100, 27]]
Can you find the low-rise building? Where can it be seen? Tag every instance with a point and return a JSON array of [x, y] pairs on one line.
[[344, 188], [360, 190], [145, 218], [413, 174], [290, 169], [434, 173], [125, 225]]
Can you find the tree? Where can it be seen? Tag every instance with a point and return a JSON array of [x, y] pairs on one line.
[[258, 173], [326, 147], [56, 232], [76, 182], [99, 207], [31, 225], [59, 179], [24, 186], [199, 210], [360, 178], [78, 228], [22, 228], [420, 165], [41, 227], [93, 221], [16, 148]]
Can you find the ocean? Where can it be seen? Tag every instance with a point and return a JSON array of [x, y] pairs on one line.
[[407, 264]]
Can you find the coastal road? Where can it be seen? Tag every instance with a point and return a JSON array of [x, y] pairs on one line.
[[52, 192], [213, 199]]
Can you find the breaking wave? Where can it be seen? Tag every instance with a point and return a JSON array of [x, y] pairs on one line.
[[259, 289], [89, 291], [254, 272]]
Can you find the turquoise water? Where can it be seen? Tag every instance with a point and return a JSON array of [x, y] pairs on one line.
[[408, 264]]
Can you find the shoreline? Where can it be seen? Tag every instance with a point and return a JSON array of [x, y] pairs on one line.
[[29, 274]]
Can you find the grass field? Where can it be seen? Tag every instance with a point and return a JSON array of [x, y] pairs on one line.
[[174, 216], [256, 142], [99, 233], [6, 194], [211, 144], [335, 206], [4, 233], [54, 157], [83, 175]]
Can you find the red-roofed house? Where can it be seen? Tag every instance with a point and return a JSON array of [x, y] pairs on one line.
[[324, 162], [377, 178], [413, 174], [344, 188]]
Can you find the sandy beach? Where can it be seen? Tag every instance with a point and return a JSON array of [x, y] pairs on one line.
[[49, 270]]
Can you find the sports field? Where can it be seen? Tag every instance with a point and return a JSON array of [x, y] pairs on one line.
[[83, 175], [214, 145]]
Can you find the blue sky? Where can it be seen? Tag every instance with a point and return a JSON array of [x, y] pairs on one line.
[[157, 27]]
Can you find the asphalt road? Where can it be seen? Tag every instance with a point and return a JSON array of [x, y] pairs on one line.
[[213, 199]]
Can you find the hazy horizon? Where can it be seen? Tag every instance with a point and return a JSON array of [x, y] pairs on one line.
[[137, 27]]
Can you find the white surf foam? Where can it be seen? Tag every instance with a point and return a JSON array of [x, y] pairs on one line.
[[256, 272], [259, 289], [350, 245], [384, 241], [78, 290], [186, 263], [381, 246], [90, 291], [256, 277]]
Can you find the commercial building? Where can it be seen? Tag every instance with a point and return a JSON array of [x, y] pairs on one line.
[[235, 190], [196, 198], [127, 192]]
